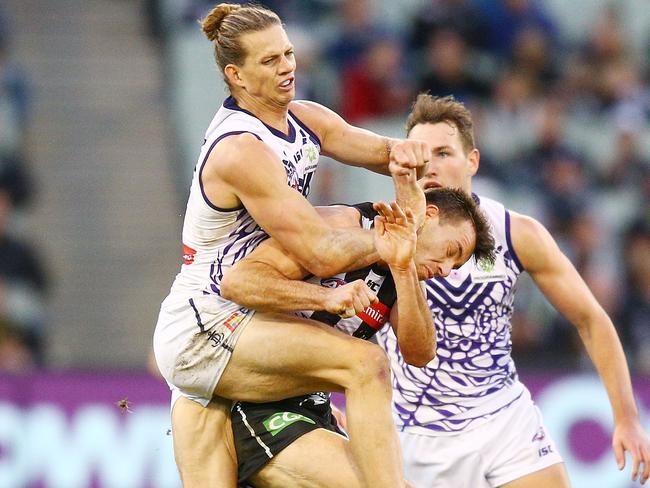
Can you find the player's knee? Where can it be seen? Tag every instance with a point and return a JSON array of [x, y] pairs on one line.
[[371, 364]]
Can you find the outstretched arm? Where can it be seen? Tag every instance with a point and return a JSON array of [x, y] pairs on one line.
[[565, 289], [355, 146], [250, 173], [395, 240]]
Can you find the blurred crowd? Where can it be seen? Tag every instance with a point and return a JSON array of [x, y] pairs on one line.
[[23, 277], [562, 122]]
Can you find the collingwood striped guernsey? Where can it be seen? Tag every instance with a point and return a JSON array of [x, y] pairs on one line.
[[215, 238], [365, 324], [472, 376]]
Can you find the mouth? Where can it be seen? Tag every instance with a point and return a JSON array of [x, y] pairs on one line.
[[431, 184], [287, 84], [429, 273]]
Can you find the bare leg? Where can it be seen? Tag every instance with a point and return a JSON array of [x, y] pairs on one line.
[[554, 476], [203, 444], [279, 356], [319, 459]]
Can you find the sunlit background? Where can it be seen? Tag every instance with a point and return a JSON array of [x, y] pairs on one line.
[[103, 107]]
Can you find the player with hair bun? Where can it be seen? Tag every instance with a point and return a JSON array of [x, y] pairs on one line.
[[255, 168]]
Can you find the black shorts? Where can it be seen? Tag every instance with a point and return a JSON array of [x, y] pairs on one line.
[[262, 430]]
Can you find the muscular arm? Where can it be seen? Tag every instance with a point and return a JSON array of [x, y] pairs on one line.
[[410, 317], [359, 147], [565, 289], [246, 170], [269, 279]]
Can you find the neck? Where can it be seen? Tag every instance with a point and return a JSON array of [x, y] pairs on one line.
[[270, 113]]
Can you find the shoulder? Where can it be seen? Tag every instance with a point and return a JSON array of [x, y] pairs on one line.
[[307, 108], [238, 148], [316, 116], [531, 240], [526, 228]]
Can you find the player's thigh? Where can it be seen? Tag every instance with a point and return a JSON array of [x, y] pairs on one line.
[[278, 356], [554, 476], [318, 459], [203, 443]]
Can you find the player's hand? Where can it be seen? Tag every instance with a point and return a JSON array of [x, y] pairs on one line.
[[349, 299], [630, 436], [395, 234], [409, 195], [406, 154]]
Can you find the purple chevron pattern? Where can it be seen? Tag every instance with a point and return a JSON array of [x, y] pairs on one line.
[[466, 381]]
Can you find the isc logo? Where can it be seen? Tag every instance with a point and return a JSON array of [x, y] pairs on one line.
[[373, 285], [545, 450]]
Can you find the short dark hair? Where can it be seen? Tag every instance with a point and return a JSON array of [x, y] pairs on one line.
[[428, 109], [456, 206]]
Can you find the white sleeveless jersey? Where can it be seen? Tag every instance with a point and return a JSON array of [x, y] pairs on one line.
[[472, 376], [215, 238]]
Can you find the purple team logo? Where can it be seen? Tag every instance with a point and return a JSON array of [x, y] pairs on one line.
[[539, 436]]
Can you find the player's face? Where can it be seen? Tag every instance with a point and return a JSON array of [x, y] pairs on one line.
[[450, 166], [443, 247], [269, 69]]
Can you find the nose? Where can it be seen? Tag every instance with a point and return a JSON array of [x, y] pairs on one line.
[[287, 65], [445, 269], [429, 170]]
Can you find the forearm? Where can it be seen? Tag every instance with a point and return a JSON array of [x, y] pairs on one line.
[[416, 333], [342, 250], [263, 288], [361, 148], [606, 352]]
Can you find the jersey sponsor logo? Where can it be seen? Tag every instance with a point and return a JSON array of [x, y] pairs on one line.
[[374, 281], [375, 315], [332, 282], [280, 420], [485, 265], [373, 285], [539, 435], [485, 271], [545, 451], [188, 254], [216, 338], [311, 152], [318, 398], [232, 322]]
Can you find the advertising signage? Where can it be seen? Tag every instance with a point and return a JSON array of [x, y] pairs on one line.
[[92, 430]]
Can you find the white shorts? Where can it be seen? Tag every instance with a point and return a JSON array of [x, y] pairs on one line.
[[193, 342], [511, 445]]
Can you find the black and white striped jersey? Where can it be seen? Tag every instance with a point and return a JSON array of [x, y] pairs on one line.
[[366, 323]]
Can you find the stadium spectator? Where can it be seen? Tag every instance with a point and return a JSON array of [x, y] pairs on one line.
[[446, 69], [377, 86], [23, 282], [634, 312]]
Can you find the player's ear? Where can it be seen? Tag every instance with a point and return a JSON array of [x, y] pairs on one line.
[[473, 157], [232, 75], [432, 210]]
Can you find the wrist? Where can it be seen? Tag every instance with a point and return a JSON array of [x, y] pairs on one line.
[[628, 417], [403, 269]]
